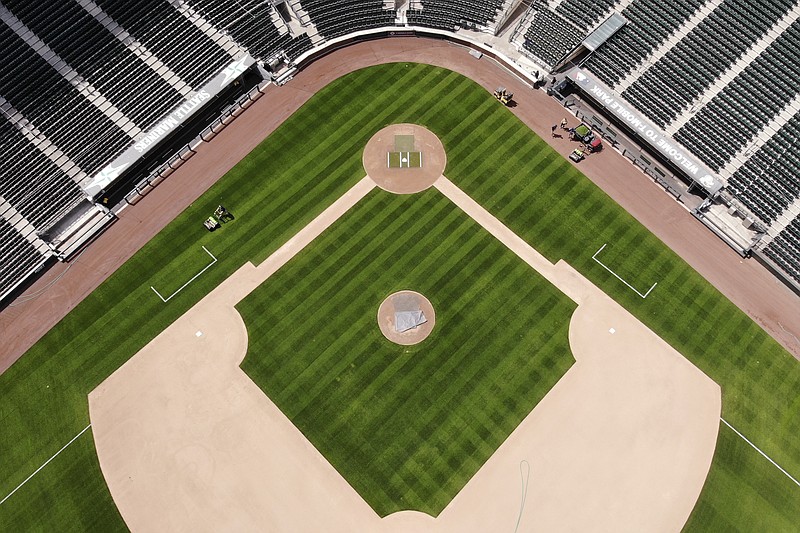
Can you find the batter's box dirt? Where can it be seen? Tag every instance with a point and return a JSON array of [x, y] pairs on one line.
[[410, 176]]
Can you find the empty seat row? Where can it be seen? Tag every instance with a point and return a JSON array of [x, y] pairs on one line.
[[583, 14], [750, 101], [336, 19], [761, 198], [550, 36], [171, 37], [785, 253], [250, 23], [775, 170], [35, 186], [17, 257], [58, 111], [452, 14], [696, 61], [102, 60]]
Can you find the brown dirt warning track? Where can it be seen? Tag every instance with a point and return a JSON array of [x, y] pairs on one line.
[[745, 282]]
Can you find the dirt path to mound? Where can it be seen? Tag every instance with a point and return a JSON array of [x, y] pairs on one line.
[[623, 442], [748, 284]]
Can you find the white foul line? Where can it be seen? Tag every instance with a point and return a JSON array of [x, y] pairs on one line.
[[787, 474], [168, 298], [596, 260], [45, 464]]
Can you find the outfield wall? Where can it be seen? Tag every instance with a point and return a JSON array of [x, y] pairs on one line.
[[144, 186], [413, 31]]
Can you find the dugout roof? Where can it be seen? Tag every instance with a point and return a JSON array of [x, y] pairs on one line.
[[647, 132], [148, 140]]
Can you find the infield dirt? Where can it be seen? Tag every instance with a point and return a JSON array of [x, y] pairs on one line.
[[404, 180], [623, 442]]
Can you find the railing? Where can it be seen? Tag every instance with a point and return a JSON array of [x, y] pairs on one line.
[[188, 150]]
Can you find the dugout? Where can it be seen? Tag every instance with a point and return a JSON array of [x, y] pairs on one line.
[[111, 185], [657, 143]]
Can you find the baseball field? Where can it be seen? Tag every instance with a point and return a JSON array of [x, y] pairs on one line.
[[297, 172]]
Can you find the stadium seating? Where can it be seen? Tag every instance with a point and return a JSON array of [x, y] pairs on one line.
[[649, 24], [17, 257], [770, 179], [65, 86], [38, 189], [583, 14], [452, 14], [784, 249], [696, 61], [171, 37], [56, 108], [248, 22], [550, 35], [748, 103], [337, 19], [119, 74]]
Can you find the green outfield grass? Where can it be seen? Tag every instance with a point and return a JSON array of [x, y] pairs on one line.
[[744, 492], [407, 426], [292, 176]]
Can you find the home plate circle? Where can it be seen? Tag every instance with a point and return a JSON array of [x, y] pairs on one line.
[[406, 174], [406, 318]]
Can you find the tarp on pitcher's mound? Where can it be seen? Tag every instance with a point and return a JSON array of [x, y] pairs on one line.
[[406, 320]]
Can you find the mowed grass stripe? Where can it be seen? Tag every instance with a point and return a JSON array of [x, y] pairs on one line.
[[395, 402], [79, 340], [544, 168], [468, 349], [456, 389], [514, 143], [446, 111], [343, 146], [451, 361], [764, 498], [390, 277], [675, 310], [43, 397], [334, 282], [334, 276], [472, 156], [401, 392], [489, 165]]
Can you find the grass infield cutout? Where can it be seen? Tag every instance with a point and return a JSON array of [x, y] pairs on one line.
[[311, 160], [407, 426]]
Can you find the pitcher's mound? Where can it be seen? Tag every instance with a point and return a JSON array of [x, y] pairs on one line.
[[406, 318], [404, 158]]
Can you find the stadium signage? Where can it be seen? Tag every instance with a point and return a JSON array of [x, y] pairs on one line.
[[145, 142], [647, 131], [172, 121]]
